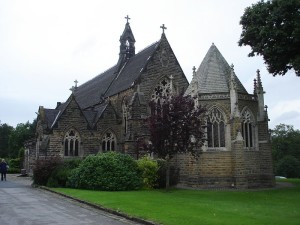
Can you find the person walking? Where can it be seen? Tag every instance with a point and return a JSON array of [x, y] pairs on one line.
[[3, 169]]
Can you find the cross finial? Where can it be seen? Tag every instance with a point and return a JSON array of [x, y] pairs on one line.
[[72, 89], [194, 69], [76, 82], [163, 28], [127, 18]]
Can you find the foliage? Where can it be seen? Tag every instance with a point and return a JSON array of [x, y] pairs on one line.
[[272, 29], [286, 150], [109, 171], [15, 163], [289, 167], [149, 169], [44, 168], [161, 180], [5, 132], [176, 125], [18, 136], [285, 141], [59, 175], [210, 207]]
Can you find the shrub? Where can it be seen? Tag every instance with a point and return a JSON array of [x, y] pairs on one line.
[[161, 180], [109, 171], [59, 175], [288, 166], [14, 165], [149, 169], [44, 168]]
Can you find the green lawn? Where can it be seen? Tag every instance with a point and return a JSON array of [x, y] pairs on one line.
[[280, 206]]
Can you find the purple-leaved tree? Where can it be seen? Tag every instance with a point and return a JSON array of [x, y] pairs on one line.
[[176, 126]]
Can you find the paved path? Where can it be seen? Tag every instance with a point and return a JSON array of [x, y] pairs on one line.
[[20, 204]]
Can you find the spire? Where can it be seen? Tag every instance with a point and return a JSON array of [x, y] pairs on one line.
[[127, 41], [214, 74], [127, 48], [259, 83], [259, 91], [233, 94]]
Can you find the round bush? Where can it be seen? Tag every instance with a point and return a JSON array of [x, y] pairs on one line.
[[109, 171]]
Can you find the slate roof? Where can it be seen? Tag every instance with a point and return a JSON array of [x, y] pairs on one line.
[[50, 115], [91, 94], [110, 83], [213, 74], [131, 71]]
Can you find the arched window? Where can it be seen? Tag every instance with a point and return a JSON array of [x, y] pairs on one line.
[[247, 128], [215, 129], [125, 116], [109, 142], [71, 143]]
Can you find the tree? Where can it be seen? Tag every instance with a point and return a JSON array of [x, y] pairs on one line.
[[272, 30], [176, 126], [286, 149], [18, 136], [5, 132], [288, 166]]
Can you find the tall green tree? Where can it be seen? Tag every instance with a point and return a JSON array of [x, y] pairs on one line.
[[272, 30], [5, 132], [176, 126], [18, 136], [286, 150]]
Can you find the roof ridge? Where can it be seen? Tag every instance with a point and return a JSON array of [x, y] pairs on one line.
[[148, 46]]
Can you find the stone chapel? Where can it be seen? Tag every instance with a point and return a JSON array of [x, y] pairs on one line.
[[109, 113]]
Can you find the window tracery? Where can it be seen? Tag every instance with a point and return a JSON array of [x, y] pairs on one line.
[[109, 142], [162, 90], [71, 143], [247, 128], [215, 129]]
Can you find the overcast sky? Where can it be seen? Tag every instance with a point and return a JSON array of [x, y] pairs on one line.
[[46, 45]]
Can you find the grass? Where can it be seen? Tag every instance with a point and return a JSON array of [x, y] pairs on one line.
[[276, 206]]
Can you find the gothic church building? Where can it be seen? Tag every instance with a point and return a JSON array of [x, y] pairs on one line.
[[109, 113]]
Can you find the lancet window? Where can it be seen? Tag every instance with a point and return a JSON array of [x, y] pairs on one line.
[[71, 143], [247, 128], [215, 129], [109, 142], [125, 116]]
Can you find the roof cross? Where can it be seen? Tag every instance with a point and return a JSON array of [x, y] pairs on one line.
[[194, 69], [76, 82], [127, 18], [163, 28]]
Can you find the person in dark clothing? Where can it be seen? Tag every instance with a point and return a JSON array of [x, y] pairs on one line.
[[3, 169]]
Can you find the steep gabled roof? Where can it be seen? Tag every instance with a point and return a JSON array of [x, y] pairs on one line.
[[131, 71], [110, 83], [91, 92], [213, 74]]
